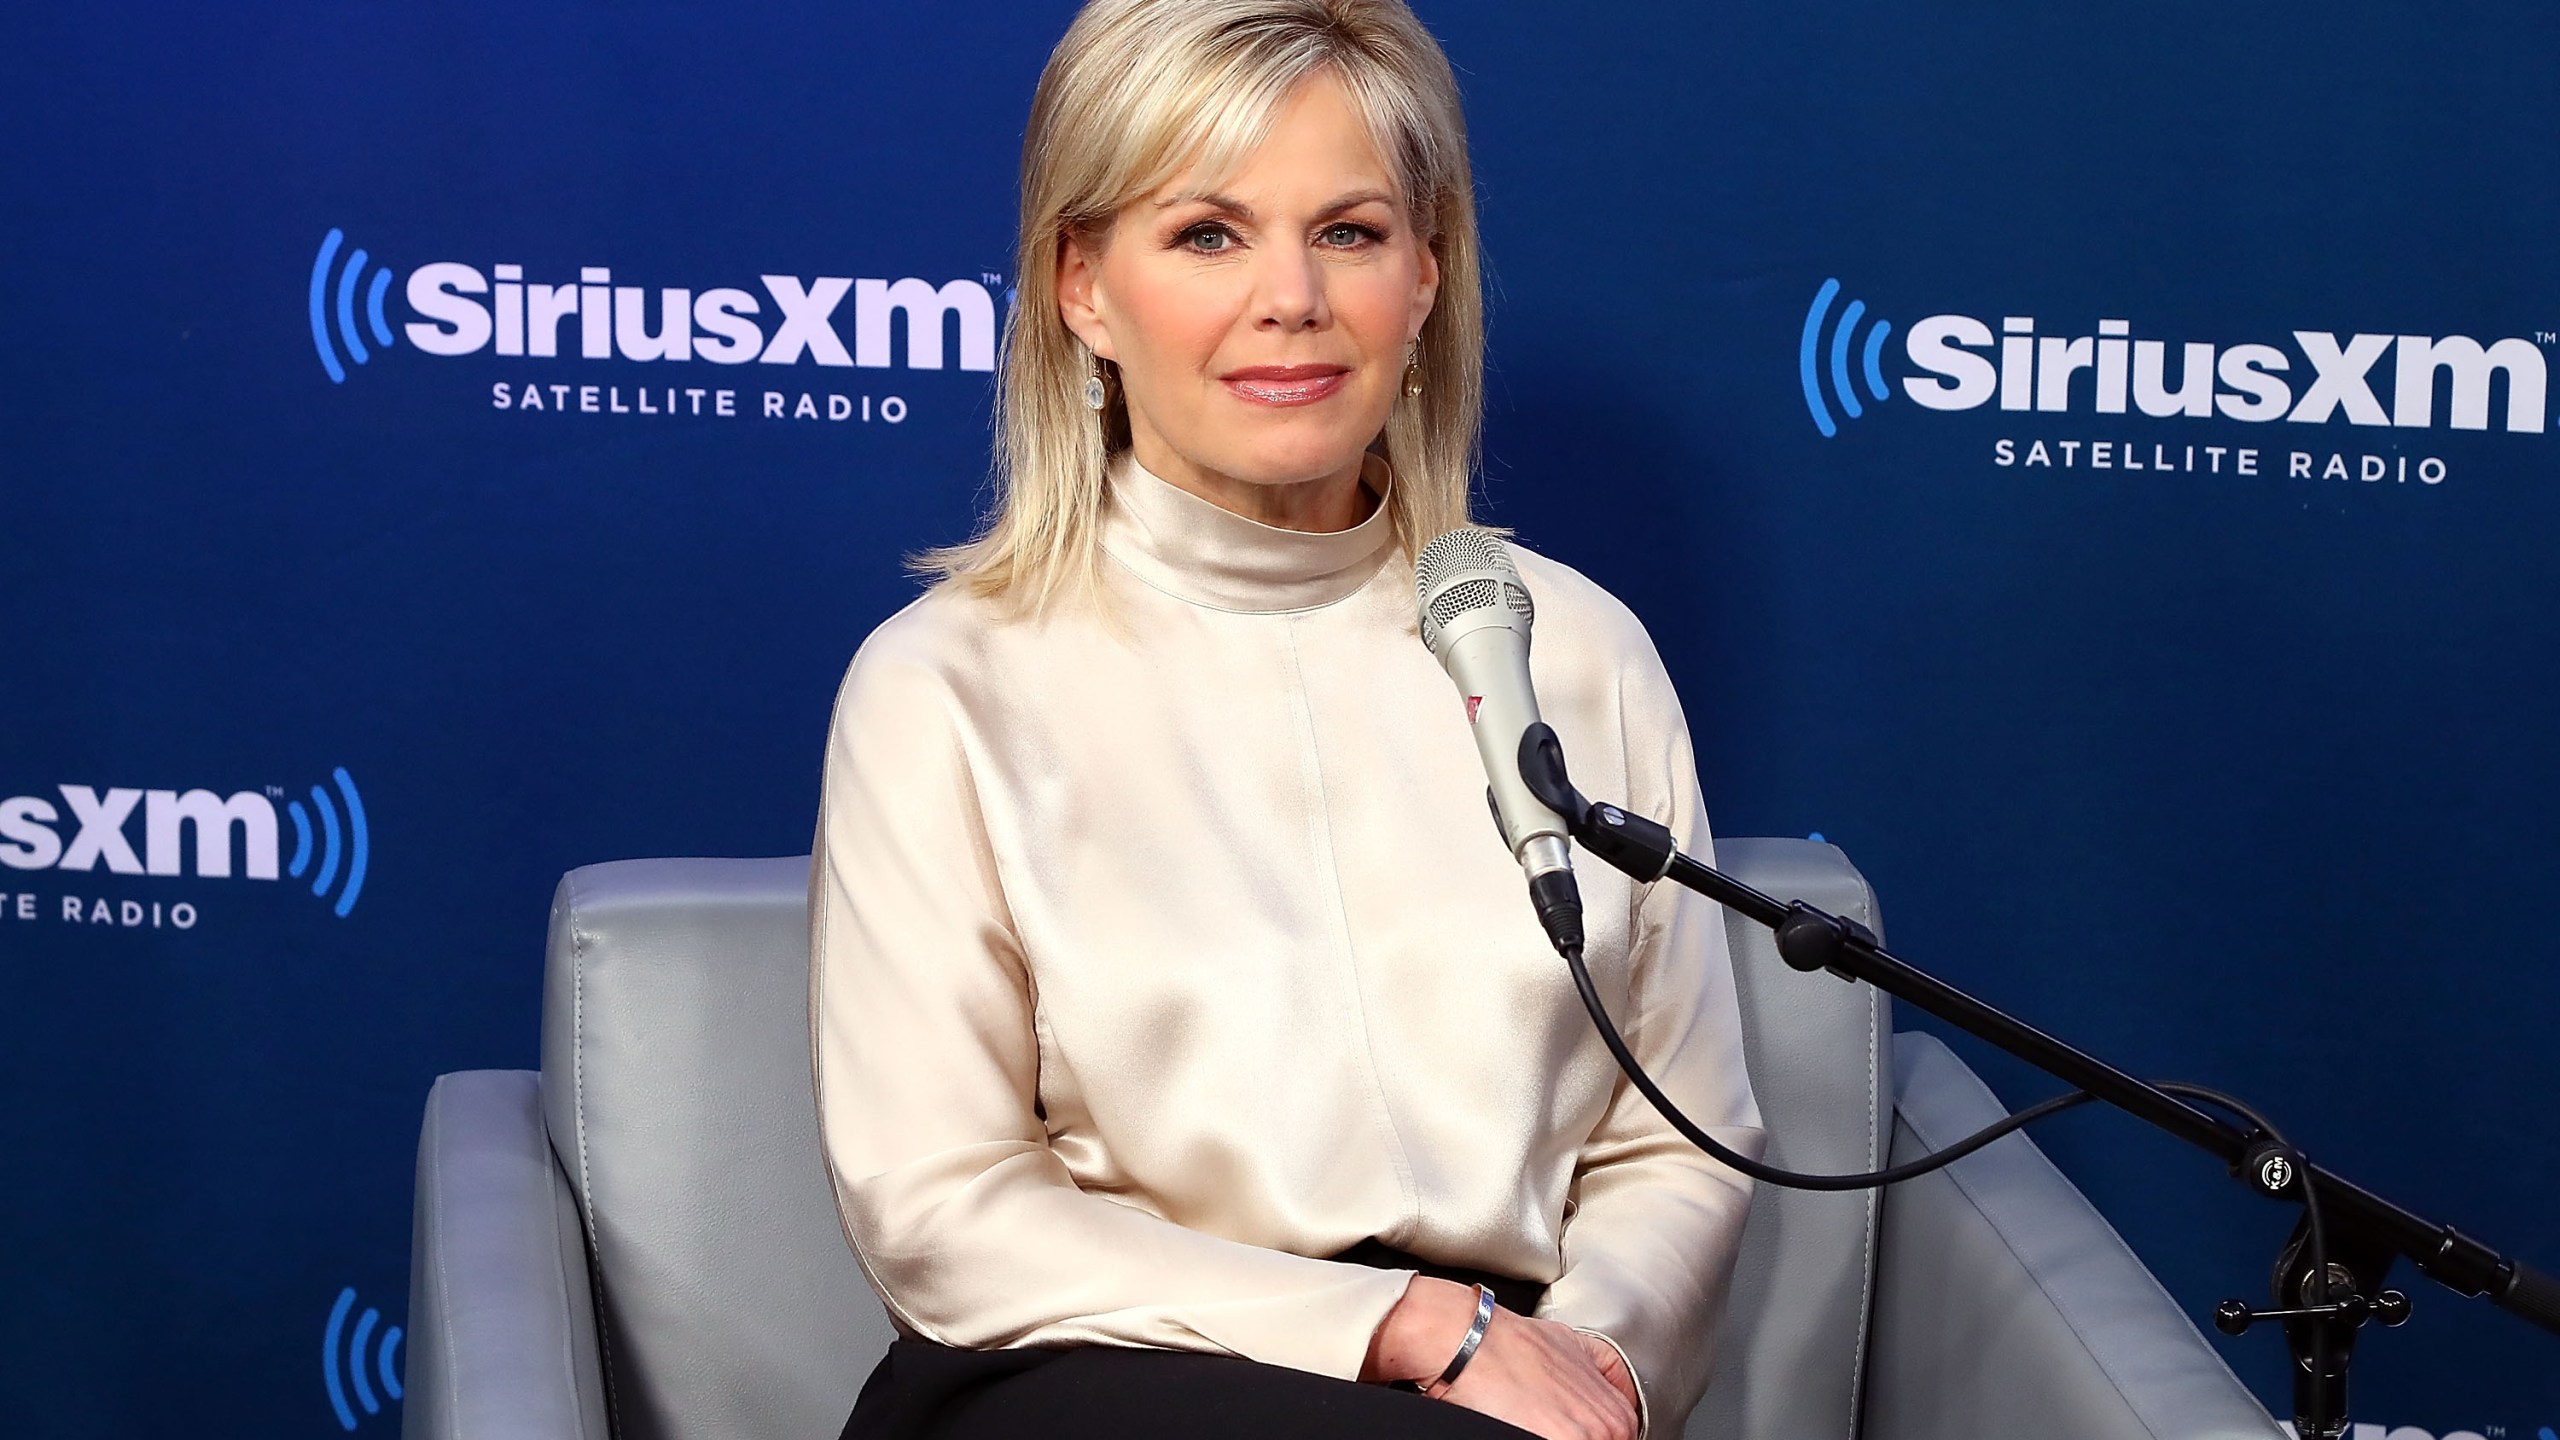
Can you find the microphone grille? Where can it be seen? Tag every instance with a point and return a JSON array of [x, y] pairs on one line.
[[1462, 597], [1461, 572], [1465, 548]]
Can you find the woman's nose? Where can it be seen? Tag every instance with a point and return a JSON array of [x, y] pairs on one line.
[[1289, 290]]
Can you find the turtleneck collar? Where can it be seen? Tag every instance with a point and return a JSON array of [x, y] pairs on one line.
[[1196, 550]]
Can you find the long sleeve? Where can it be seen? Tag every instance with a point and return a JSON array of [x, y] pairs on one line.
[[1655, 1224], [927, 1066]]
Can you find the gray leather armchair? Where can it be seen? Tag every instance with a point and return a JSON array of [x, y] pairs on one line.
[[639, 1241]]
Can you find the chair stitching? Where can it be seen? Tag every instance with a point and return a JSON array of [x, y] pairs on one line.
[[1876, 1022], [568, 1344], [443, 1290], [1866, 1237], [586, 1184]]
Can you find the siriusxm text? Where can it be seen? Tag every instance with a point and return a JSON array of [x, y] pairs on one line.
[[1965, 365], [592, 318], [91, 828]]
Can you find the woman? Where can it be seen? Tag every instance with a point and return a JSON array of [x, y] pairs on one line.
[[1186, 1049]]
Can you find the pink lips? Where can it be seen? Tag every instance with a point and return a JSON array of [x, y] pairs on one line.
[[1284, 384]]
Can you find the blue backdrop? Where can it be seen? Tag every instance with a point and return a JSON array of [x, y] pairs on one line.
[[2184, 682]]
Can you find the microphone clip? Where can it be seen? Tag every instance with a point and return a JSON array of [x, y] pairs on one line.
[[1629, 842]]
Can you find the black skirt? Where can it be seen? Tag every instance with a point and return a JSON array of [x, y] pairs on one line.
[[925, 1391]]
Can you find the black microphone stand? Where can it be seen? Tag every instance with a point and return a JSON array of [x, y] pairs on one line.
[[2323, 1300]]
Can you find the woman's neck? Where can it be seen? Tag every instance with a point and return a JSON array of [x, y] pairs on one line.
[[1319, 506]]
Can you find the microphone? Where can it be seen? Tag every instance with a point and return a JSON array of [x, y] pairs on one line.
[[1475, 618]]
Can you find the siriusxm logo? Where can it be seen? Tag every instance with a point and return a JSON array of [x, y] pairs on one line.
[[1963, 364], [464, 309], [352, 1361], [234, 835], [1808, 352], [346, 307]]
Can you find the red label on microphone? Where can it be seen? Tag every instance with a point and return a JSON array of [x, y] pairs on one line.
[[1472, 702]]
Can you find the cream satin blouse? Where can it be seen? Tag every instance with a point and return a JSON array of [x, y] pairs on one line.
[[1155, 954]]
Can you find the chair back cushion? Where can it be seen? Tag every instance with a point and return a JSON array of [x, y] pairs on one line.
[[1793, 1347], [676, 1090]]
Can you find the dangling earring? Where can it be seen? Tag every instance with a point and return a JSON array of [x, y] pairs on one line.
[[1094, 398], [1412, 368]]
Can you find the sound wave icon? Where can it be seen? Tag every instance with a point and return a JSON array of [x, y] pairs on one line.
[[357, 848], [1809, 349], [346, 306], [352, 1359]]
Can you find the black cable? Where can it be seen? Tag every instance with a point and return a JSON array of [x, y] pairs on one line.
[[1771, 1174], [1937, 1159]]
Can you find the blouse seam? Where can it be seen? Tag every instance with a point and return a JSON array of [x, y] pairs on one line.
[[1407, 1188]]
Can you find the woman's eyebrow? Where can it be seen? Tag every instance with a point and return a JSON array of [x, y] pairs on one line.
[[1242, 211]]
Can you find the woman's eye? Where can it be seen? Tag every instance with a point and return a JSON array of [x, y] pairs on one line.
[[1345, 233], [1206, 239]]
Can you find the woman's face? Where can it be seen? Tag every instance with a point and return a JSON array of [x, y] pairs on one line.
[[1260, 330]]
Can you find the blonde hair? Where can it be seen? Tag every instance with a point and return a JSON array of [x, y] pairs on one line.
[[1135, 92]]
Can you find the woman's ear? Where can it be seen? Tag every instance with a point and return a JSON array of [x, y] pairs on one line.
[[1079, 295], [1426, 289]]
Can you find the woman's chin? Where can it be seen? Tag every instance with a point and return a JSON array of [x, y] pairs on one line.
[[1295, 454]]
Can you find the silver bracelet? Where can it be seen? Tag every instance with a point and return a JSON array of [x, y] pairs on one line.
[[1466, 1347]]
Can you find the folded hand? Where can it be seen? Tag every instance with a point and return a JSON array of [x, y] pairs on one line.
[[1549, 1379]]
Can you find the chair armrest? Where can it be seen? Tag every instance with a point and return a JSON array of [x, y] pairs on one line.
[[502, 1324], [2006, 1305]]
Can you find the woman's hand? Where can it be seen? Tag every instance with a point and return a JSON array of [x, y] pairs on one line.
[[1613, 1368], [1546, 1378]]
